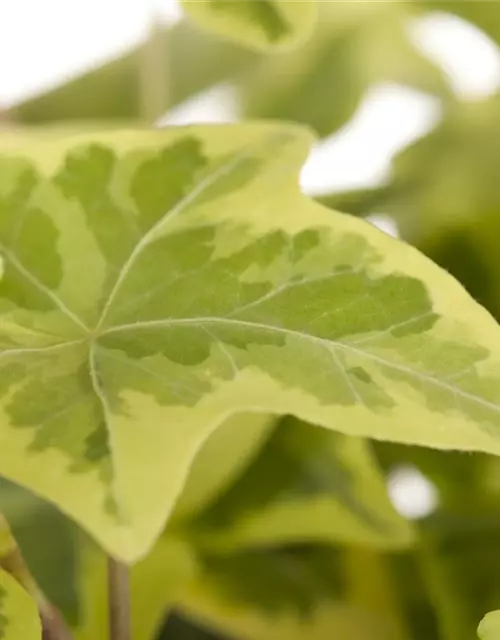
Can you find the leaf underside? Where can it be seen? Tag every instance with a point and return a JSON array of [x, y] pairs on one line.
[[156, 282]]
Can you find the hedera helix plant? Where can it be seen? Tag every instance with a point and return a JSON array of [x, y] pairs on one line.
[[166, 297]]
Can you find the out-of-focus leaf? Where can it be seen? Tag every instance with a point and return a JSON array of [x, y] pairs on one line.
[[355, 45], [195, 61], [307, 485], [286, 594], [47, 540], [18, 612], [263, 24], [224, 456], [481, 13], [458, 558], [489, 628], [180, 627], [462, 572]]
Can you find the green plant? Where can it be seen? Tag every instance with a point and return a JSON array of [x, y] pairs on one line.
[[196, 359]]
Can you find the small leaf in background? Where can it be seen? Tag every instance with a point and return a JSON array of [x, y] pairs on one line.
[[157, 282], [283, 594], [355, 46], [489, 628], [307, 485], [263, 24], [18, 613]]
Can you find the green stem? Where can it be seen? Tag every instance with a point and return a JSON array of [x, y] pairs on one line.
[[119, 601], [370, 587], [446, 599], [153, 74], [12, 561]]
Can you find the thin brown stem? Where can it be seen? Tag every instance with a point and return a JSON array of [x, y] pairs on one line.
[[119, 601], [53, 625]]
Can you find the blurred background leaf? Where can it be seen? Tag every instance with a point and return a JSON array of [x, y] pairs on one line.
[[194, 61], [489, 629], [320, 83], [286, 594], [226, 455], [261, 24], [355, 45], [307, 485]]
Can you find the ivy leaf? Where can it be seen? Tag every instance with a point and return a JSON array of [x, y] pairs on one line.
[[307, 485], [18, 612], [283, 594], [157, 282], [261, 24], [489, 629]]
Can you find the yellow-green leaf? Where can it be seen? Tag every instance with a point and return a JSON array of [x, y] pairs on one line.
[[262, 24], [18, 613], [157, 282]]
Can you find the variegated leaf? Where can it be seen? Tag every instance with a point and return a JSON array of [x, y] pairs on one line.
[[157, 282]]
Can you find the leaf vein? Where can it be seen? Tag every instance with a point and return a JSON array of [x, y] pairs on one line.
[[209, 181], [42, 288], [324, 342]]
